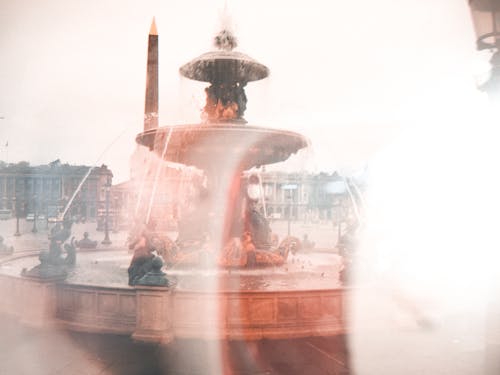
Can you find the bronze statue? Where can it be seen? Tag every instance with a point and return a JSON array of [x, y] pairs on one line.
[[86, 242], [155, 276], [142, 261], [45, 270], [58, 236]]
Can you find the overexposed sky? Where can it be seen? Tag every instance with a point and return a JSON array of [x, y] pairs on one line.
[[349, 75]]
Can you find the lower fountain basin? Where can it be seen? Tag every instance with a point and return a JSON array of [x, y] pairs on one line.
[[310, 271], [303, 298]]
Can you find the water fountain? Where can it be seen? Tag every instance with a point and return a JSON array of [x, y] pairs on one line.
[[224, 292], [223, 147]]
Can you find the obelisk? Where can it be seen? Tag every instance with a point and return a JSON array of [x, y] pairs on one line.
[[151, 107]]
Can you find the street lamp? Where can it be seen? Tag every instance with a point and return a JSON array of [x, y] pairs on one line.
[[106, 240], [486, 19], [115, 215], [34, 230], [16, 207], [289, 189]]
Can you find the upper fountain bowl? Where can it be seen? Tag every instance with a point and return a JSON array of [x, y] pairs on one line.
[[224, 66], [206, 145]]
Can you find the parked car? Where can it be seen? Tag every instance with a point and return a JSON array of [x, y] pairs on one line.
[[40, 217], [30, 217]]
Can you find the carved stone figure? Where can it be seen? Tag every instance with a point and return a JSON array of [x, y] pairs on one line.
[[289, 244], [142, 261], [155, 276], [45, 270], [57, 238], [258, 227], [86, 242], [52, 263]]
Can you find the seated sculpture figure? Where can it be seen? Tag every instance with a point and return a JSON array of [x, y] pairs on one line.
[[257, 226], [58, 236], [45, 270], [86, 242], [142, 260], [155, 276], [52, 263]]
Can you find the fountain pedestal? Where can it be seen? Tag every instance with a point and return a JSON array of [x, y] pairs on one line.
[[154, 314], [223, 146]]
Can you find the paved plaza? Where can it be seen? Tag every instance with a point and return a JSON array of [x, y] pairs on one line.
[[25, 350], [390, 334], [324, 234]]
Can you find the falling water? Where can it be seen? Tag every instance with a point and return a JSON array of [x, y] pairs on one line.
[[68, 205], [180, 190], [143, 182], [158, 170], [359, 193], [354, 204], [262, 197]]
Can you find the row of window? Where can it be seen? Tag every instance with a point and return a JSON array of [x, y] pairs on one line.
[[45, 186]]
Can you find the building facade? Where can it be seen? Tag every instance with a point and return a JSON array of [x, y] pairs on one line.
[[296, 196], [46, 189], [303, 196]]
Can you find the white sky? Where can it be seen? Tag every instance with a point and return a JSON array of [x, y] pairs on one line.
[[348, 74]]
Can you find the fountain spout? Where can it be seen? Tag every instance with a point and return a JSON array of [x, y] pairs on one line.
[[228, 72]]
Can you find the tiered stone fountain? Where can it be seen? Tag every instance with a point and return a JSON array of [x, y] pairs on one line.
[[229, 297], [223, 147]]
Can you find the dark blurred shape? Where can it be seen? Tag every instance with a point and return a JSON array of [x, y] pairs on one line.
[[486, 19]]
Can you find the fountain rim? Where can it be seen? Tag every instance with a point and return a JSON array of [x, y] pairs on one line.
[[287, 140], [174, 288], [196, 70], [224, 126]]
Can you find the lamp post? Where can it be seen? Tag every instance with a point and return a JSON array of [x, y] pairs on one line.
[[115, 214], [16, 207], [289, 188], [35, 229], [46, 214], [486, 19], [106, 240]]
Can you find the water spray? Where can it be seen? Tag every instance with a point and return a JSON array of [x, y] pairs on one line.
[[68, 205], [354, 204], [158, 170]]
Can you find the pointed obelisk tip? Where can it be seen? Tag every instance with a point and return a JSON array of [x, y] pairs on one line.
[[152, 30]]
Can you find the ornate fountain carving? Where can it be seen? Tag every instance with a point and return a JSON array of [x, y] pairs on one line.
[[223, 147], [86, 242], [52, 263]]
